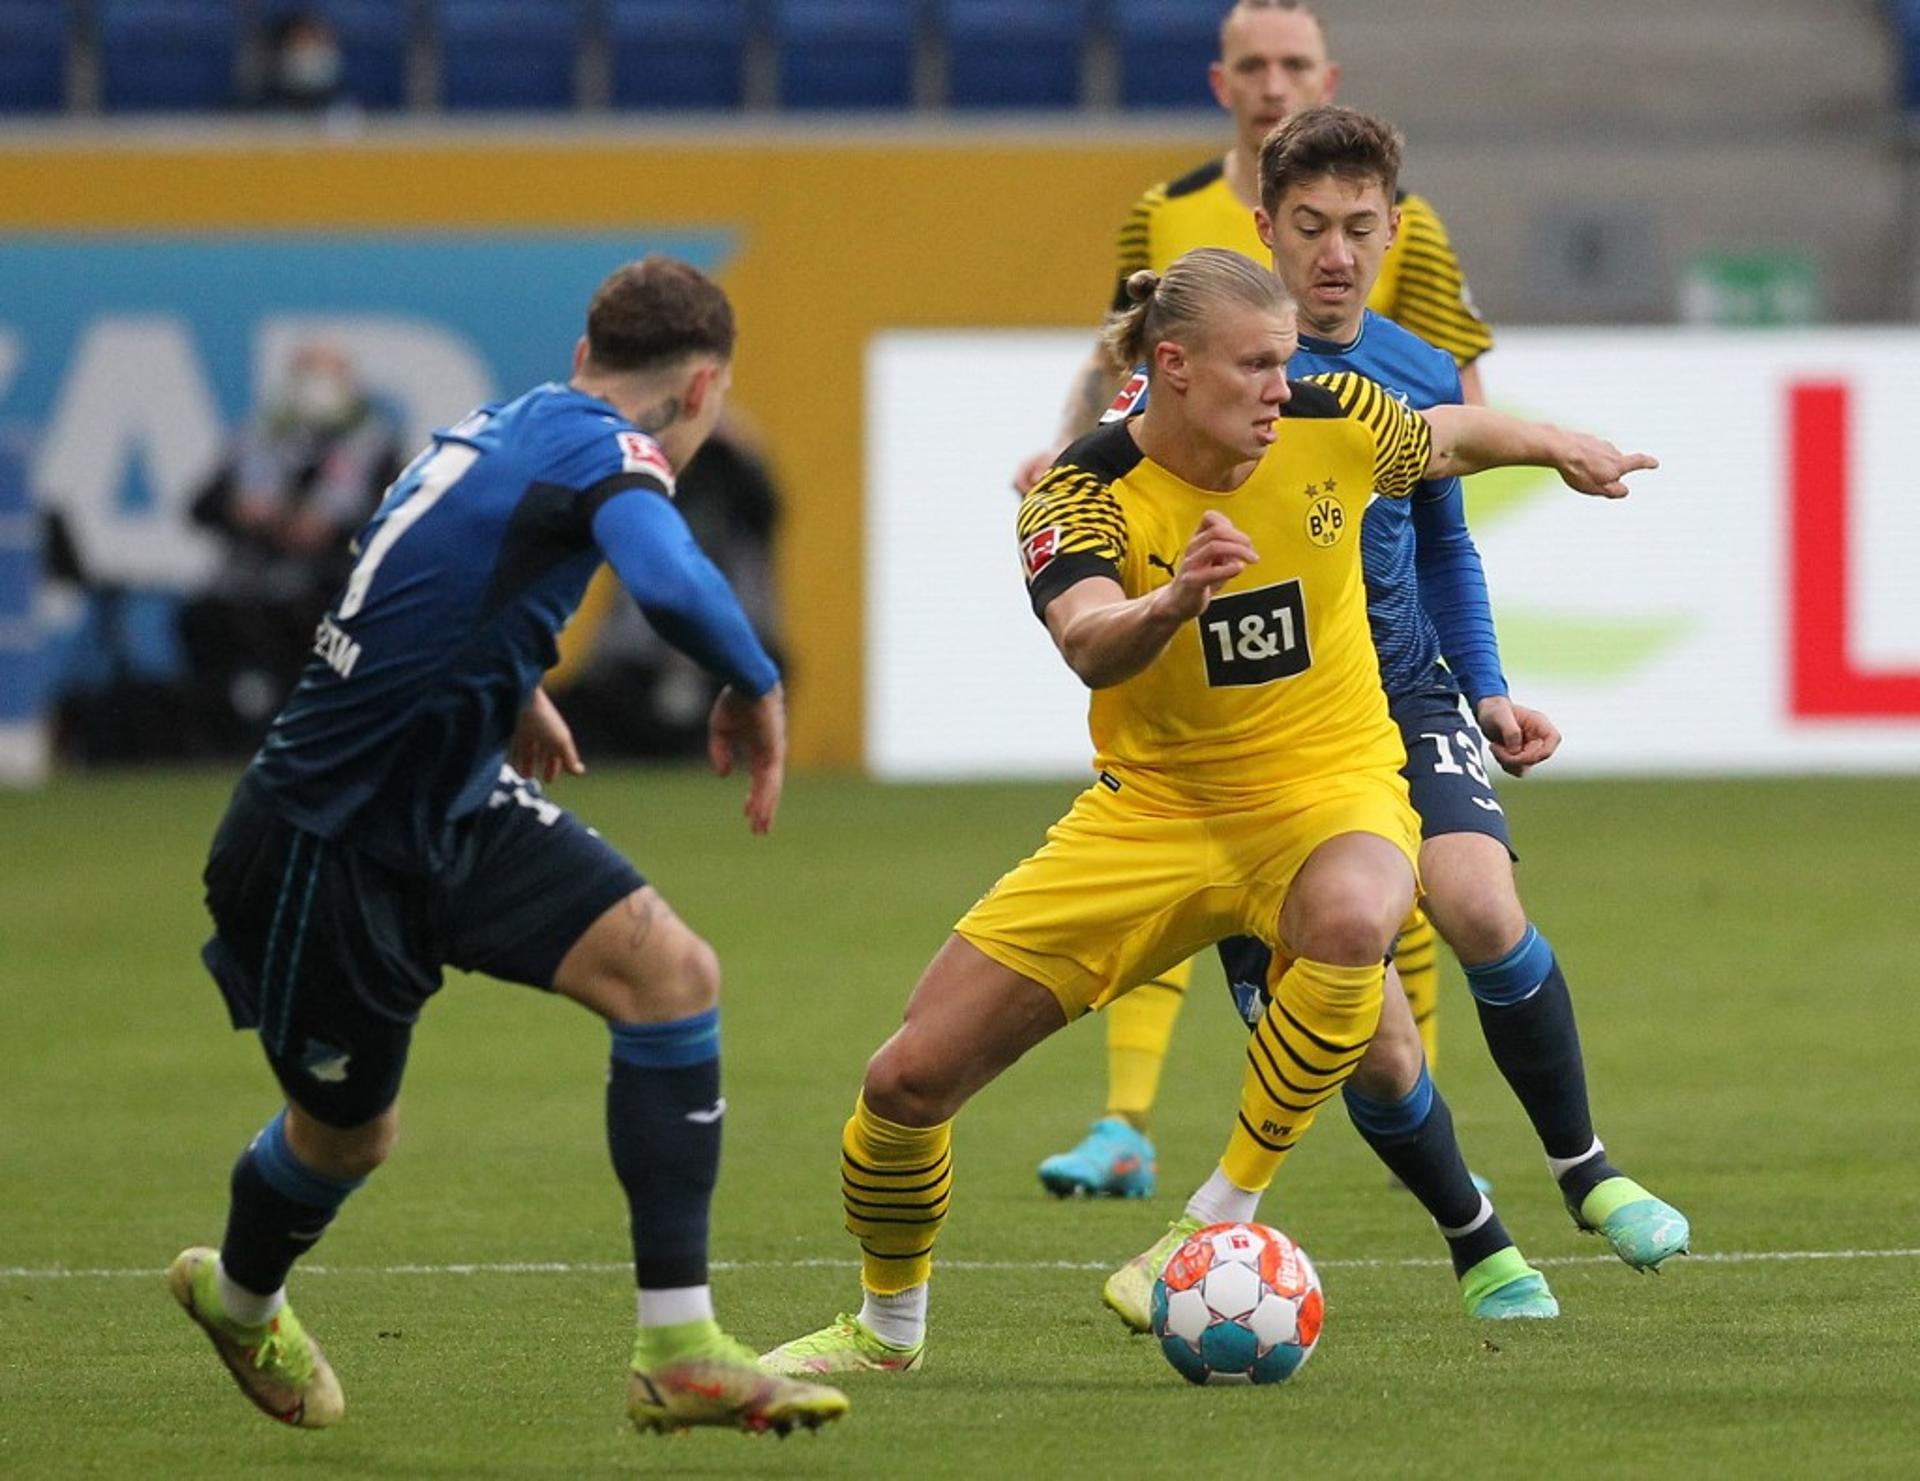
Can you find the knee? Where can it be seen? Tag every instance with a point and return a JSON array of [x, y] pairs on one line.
[[682, 981], [1482, 925], [348, 1154], [1351, 923], [1390, 1068], [907, 1088]]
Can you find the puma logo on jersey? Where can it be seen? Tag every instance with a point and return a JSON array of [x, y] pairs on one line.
[[1165, 565]]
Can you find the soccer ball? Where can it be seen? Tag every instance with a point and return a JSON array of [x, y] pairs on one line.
[[1238, 1303]]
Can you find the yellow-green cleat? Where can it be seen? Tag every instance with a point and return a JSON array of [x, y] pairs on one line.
[[696, 1375], [1504, 1288], [1643, 1230], [845, 1346], [1129, 1290], [277, 1365]]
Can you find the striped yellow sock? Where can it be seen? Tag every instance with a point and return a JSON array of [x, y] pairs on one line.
[[896, 1182], [1416, 956], [1139, 1029], [1316, 1028]]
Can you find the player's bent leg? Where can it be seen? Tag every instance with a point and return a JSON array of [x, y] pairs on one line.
[[1402, 1116], [1526, 1014], [969, 1018], [1416, 957], [286, 1188]]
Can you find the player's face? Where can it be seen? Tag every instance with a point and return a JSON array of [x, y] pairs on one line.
[[1236, 379], [1272, 64], [1328, 238]]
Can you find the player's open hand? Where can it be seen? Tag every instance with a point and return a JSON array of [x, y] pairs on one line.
[[1593, 465], [1519, 738], [1216, 554], [542, 744], [753, 731]]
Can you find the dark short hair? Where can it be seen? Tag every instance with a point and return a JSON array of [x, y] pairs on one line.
[[1328, 141], [655, 311]]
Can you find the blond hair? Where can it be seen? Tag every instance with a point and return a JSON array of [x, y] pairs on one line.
[[1195, 288]]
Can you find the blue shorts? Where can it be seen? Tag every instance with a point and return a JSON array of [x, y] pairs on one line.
[[1446, 774], [330, 955]]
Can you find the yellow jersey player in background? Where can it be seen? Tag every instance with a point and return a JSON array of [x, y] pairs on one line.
[[1198, 567], [1273, 64]]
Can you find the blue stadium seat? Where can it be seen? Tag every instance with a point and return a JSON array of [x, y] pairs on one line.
[[679, 53], [33, 56], [1014, 53], [1165, 48], [508, 53], [845, 53], [375, 36], [161, 54]]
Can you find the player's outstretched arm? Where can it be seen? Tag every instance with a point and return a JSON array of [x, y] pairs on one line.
[[1469, 439], [754, 731], [1520, 738], [1107, 637], [542, 744], [1094, 386]]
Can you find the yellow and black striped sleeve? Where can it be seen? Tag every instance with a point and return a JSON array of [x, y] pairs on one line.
[[1071, 527], [1431, 296], [1402, 440], [1136, 242]]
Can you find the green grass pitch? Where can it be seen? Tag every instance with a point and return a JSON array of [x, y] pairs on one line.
[[1741, 953]]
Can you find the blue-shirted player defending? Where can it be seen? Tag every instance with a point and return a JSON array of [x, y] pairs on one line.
[[381, 834], [1327, 180]]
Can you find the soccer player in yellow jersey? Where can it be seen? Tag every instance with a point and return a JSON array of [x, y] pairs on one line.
[[1273, 64], [1198, 568]]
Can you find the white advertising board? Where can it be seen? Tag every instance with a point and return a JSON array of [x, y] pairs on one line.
[[1753, 607]]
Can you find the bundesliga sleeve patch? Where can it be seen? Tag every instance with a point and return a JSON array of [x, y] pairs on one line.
[[1038, 550], [639, 453], [1132, 397]]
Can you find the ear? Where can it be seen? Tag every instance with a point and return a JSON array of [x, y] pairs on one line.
[[1263, 223], [580, 354], [1217, 80], [1333, 82], [699, 386], [1393, 225], [1170, 364]]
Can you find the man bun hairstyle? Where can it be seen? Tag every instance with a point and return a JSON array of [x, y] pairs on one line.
[[650, 313], [1177, 304], [1329, 140]]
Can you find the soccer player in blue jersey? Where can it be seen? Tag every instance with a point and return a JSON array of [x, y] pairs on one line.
[[393, 823], [1328, 187]]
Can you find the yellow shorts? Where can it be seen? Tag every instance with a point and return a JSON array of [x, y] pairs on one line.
[[1117, 896]]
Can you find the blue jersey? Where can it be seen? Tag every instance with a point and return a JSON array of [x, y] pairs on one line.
[[1426, 591], [476, 558]]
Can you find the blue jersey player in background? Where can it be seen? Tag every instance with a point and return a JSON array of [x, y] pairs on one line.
[[1328, 179], [393, 823]]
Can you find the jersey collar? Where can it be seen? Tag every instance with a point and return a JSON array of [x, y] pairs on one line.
[[1316, 346]]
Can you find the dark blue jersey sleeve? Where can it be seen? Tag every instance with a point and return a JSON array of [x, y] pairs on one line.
[[1453, 589], [681, 592]]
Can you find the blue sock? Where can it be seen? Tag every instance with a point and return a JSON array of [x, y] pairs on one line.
[[280, 1207], [1414, 1137], [663, 1128], [1526, 1013]]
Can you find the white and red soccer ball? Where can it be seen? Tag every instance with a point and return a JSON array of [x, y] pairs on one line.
[[1238, 1303]]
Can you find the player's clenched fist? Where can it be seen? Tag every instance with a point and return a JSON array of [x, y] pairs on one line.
[[1216, 554]]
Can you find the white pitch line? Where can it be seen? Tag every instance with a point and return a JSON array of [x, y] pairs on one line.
[[610, 1267]]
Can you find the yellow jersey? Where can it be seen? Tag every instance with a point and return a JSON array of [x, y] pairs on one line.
[[1276, 683], [1421, 285]]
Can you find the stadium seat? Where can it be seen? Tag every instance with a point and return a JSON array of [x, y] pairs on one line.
[[845, 53], [167, 54], [1014, 53], [679, 53], [33, 56], [498, 54], [374, 40], [1165, 48]]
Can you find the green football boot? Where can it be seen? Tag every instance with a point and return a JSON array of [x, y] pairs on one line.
[[277, 1365], [1504, 1287], [694, 1374], [1643, 1230], [1129, 1290], [846, 1346]]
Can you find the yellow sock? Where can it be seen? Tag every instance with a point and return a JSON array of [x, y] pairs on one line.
[[1314, 1032], [1416, 956], [896, 1182], [1139, 1029]]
